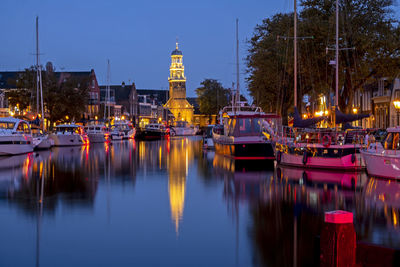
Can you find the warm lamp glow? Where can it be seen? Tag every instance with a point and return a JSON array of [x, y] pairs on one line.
[[95, 117], [396, 104], [67, 117], [355, 110]]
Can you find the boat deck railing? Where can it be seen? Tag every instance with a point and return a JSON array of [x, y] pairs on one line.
[[324, 136]]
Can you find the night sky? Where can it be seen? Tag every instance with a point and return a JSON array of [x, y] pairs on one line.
[[137, 37]]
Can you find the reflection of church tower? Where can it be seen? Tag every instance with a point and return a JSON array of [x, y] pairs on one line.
[[178, 163], [177, 103], [176, 188]]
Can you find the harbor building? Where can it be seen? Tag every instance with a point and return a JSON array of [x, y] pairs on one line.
[[178, 105]]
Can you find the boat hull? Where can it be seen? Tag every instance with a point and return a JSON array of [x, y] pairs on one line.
[[14, 145], [42, 143], [245, 151], [150, 135], [386, 166], [97, 138], [67, 140], [349, 162]]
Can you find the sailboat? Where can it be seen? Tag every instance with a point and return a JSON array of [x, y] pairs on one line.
[[320, 148], [40, 139], [241, 134]]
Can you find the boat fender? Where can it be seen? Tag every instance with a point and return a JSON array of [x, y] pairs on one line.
[[278, 156], [305, 157], [326, 141], [353, 158]]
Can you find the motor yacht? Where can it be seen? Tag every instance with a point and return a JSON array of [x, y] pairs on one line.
[[383, 159], [97, 133], [122, 130], [241, 134], [15, 136], [152, 131], [182, 128], [69, 135]]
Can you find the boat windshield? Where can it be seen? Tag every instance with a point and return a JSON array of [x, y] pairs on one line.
[[68, 129], [250, 126], [7, 125]]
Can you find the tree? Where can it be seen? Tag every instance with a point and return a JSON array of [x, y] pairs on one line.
[[63, 94], [368, 26], [212, 96]]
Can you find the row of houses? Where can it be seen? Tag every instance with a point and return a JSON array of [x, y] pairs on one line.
[[378, 99], [126, 101]]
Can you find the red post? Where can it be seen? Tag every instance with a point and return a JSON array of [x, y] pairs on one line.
[[338, 240]]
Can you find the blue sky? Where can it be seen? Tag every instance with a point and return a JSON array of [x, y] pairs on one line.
[[137, 37]]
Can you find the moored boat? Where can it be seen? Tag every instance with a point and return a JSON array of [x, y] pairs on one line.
[[384, 160], [97, 133], [69, 135], [321, 149], [182, 128], [242, 137], [122, 130], [15, 136], [152, 131]]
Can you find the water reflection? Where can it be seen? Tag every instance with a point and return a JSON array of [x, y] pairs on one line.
[[238, 214]]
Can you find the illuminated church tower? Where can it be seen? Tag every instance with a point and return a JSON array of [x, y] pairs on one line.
[[177, 103]]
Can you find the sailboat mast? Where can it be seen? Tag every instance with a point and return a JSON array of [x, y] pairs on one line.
[[37, 65], [295, 53], [39, 75], [237, 64], [108, 88], [337, 55]]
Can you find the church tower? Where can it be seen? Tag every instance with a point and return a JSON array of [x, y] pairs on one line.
[[177, 103]]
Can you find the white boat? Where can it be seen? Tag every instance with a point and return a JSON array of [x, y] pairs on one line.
[[208, 142], [182, 128], [15, 136], [42, 141], [384, 160], [97, 133], [122, 130], [241, 135], [69, 135]]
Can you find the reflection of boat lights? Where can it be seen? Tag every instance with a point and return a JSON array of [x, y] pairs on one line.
[[395, 220]]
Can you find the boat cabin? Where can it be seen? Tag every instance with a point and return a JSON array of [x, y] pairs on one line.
[[14, 126], [69, 129], [155, 127], [95, 129]]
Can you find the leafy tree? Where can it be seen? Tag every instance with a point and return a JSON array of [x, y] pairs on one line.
[[368, 26], [212, 96], [25, 93], [62, 96]]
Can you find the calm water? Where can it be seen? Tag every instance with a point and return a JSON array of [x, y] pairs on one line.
[[168, 203]]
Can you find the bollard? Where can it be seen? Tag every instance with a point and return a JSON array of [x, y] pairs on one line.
[[338, 240]]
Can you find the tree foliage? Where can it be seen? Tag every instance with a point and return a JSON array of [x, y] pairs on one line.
[[367, 27], [212, 96], [62, 95]]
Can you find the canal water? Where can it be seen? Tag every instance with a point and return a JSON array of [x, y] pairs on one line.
[[169, 203]]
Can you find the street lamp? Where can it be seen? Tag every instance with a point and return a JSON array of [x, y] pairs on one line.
[[396, 104]]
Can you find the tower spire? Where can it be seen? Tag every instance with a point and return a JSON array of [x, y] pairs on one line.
[[177, 48]]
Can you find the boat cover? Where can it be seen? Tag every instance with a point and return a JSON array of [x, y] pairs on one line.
[[298, 122], [343, 118]]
